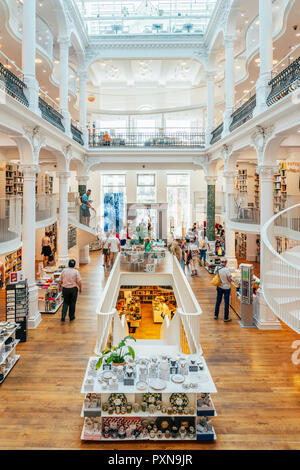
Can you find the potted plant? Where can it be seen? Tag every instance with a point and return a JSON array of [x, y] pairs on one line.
[[117, 354]]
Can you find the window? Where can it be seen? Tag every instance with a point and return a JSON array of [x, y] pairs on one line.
[[146, 188], [178, 194], [113, 202]]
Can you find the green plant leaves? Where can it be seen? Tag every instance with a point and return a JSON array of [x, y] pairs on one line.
[[131, 352], [99, 363]]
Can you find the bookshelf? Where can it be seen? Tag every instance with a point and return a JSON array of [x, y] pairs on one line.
[[241, 183], [11, 180], [256, 191], [280, 188], [12, 263]]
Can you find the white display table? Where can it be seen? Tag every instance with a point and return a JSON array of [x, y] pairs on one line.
[[177, 407]]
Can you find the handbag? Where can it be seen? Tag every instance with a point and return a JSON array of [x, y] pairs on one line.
[[216, 280]]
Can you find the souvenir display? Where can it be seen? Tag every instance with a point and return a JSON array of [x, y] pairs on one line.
[[164, 413]]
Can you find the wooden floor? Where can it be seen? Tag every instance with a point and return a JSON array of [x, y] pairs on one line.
[[258, 400]]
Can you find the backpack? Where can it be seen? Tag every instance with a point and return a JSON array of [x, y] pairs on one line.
[[202, 244]]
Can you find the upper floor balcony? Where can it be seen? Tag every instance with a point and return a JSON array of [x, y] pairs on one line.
[[108, 17], [282, 84], [143, 138]]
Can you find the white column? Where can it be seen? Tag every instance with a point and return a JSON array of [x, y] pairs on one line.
[[63, 254], [230, 254], [210, 86], [266, 320], [266, 54], [266, 173], [64, 44], [82, 78], [28, 237], [28, 54], [229, 82]]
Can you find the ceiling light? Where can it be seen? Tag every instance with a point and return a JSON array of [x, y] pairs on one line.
[[38, 61], [245, 91]]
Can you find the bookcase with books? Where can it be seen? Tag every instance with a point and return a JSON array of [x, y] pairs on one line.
[[280, 188]]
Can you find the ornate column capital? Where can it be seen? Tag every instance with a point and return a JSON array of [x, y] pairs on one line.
[[63, 175], [67, 151], [230, 174], [211, 180], [82, 179], [210, 75], [260, 138], [229, 40], [29, 170], [267, 172], [36, 139], [64, 42]]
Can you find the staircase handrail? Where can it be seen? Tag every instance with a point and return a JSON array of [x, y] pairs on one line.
[[268, 244]]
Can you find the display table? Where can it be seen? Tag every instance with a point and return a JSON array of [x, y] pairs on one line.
[[49, 296], [160, 410], [8, 344]]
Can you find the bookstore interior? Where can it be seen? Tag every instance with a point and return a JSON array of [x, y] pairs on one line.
[[166, 164]]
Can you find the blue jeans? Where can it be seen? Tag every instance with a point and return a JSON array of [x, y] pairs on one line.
[[202, 255], [220, 293], [182, 264]]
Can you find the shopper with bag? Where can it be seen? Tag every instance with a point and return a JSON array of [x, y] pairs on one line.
[[222, 281], [203, 245], [105, 250], [69, 282]]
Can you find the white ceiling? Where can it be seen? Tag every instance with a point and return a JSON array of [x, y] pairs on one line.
[[141, 73]]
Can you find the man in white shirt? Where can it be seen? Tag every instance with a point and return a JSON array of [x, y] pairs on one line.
[[223, 289], [114, 248], [70, 282]]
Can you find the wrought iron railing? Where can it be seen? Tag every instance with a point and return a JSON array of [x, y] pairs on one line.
[[285, 82], [243, 114], [51, 115], [12, 85], [77, 134], [217, 134], [147, 139]]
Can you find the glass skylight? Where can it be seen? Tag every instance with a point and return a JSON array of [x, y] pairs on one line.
[[111, 17]]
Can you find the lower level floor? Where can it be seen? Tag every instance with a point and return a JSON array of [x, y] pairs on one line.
[[258, 399]]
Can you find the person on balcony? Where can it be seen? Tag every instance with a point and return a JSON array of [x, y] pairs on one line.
[[85, 208], [106, 138], [223, 289], [70, 283]]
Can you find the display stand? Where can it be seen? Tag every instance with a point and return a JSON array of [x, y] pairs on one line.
[[49, 296], [8, 343], [177, 411], [17, 307]]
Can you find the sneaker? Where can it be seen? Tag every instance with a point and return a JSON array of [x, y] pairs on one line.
[[62, 319], [228, 320], [215, 317], [71, 319]]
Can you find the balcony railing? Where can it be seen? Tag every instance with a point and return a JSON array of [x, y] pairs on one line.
[[243, 212], [12, 85], [285, 82], [46, 207], [77, 134], [10, 219], [190, 139], [51, 115], [243, 114], [217, 134]]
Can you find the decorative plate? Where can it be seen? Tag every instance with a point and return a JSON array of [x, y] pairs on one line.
[[157, 384], [141, 385], [177, 378], [117, 399], [107, 375], [152, 398], [179, 399]]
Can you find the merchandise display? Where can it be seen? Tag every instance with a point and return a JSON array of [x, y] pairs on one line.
[[17, 309], [177, 406], [235, 296], [8, 343], [13, 263], [50, 298]]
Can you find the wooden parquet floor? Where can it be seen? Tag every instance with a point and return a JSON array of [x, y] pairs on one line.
[[258, 400]]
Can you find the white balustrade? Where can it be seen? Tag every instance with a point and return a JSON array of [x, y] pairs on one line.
[[281, 261]]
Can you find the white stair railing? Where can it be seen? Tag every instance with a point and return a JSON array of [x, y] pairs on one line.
[[281, 265]]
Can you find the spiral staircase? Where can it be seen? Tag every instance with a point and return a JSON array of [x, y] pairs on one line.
[[281, 258]]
